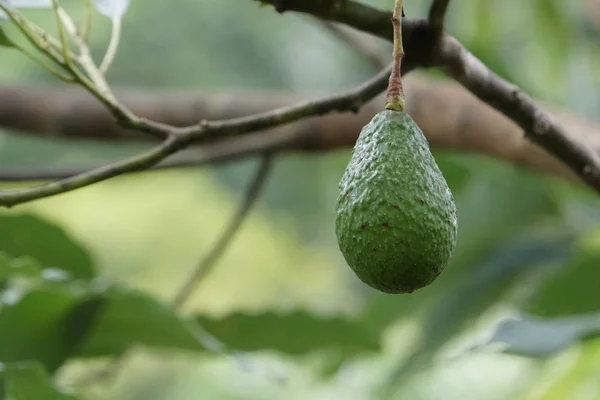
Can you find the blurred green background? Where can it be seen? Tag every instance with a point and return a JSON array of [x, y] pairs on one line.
[[513, 317]]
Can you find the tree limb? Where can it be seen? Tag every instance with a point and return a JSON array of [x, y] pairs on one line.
[[451, 118], [537, 125], [446, 52], [437, 13], [490, 135], [178, 139]]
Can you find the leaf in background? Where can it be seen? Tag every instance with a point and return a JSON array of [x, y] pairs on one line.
[[28, 381], [296, 333], [25, 4], [532, 336], [113, 9], [5, 40], [53, 322], [44, 324], [20, 267], [575, 371], [574, 289], [29, 3], [482, 287], [28, 235], [131, 318], [495, 204], [551, 20]]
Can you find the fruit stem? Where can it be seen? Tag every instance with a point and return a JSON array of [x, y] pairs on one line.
[[395, 92]]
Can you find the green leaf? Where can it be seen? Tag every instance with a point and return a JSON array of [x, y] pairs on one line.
[[571, 290], [28, 235], [482, 287], [22, 266], [130, 318], [296, 333], [54, 322], [28, 381], [44, 324], [532, 336], [5, 41]]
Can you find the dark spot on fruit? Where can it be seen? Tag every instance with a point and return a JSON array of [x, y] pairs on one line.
[[395, 206], [363, 226], [346, 194], [373, 249], [385, 225], [422, 202]]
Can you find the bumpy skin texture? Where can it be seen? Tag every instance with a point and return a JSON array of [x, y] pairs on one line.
[[396, 219]]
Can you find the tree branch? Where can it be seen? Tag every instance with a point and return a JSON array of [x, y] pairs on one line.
[[538, 126], [351, 100], [450, 117], [446, 52], [437, 13], [208, 262]]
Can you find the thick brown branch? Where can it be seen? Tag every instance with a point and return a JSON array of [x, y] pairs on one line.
[[446, 52], [450, 117], [437, 13], [538, 126]]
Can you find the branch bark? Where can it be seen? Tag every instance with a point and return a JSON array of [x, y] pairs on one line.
[[434, 49], [437, 13], [451, 118], [72, 114]]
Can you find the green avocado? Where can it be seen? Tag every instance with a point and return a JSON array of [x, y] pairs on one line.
[[396, 221]]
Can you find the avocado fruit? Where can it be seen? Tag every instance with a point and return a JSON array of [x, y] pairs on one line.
[[396, 220]]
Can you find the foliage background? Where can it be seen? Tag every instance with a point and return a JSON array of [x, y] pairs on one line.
[[527, 243]]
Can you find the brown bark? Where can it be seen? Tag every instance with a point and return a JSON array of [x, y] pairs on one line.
[[450, 117]]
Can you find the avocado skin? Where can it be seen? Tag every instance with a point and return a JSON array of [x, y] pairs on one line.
[[396, 220]]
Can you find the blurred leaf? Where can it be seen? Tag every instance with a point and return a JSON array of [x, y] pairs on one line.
[[455, 170], [44, 324], [29, 3], [482, 287], [24, 4], [571, 290], [296, 333], [22, 266], [5, 40], [53, 322], [579, 370], [129, 318], [550, 22], [113, 9], [495, 204], [543, 337], [28, 381], [28, 235]]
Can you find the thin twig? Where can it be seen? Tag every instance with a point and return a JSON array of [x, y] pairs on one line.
[[44, 45], [179, 139], [235, 148], [113, 45], [208, 262], [87, 21], [437, 13], [395, 93]]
